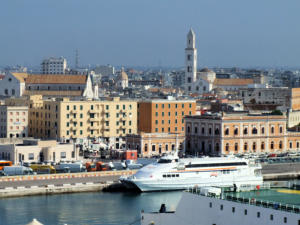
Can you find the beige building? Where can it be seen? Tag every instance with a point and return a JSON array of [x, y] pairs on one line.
[[39, 151], [65, 119], [150, 144], [235, 133], [13, 121]]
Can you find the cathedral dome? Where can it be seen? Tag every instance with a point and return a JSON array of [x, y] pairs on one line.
[[206, 70], [123, 75]]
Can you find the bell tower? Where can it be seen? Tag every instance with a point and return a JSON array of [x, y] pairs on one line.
[[190, 60]]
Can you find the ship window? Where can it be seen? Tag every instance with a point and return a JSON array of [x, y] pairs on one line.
[[164, 161], [258, 214], [169, 175], [221, 207], [173, 175], [285, 220], [271, 217], [245, 211], [177, 175], [216, 164], [164, 176], [233, 209]]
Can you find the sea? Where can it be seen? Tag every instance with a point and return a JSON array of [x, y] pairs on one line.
[[101, 208]]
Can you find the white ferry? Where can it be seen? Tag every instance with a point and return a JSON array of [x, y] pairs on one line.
[[172, 173], [213, 207]]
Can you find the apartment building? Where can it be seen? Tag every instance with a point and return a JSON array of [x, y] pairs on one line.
[[65, 119], [163, 115], [234, 133], [54, 66], [13, 121], [155, 144]]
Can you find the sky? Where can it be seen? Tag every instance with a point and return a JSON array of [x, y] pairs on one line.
[[229, 33]]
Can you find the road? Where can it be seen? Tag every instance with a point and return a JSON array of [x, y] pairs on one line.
[[4, 184]]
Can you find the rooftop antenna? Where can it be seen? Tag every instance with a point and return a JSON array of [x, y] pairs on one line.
[[76, 59]]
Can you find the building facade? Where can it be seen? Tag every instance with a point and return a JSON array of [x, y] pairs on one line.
[[65, 119], [13, 84], [155, 144], [164, 116], [54, 66], [239, 134], [14, 121], [39, 151]]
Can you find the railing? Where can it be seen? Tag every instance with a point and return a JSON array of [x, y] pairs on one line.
[[249, 201]]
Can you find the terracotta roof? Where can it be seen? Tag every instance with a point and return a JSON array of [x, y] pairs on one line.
[[53, 93], [232, 82], [20, 76], [56, 79]]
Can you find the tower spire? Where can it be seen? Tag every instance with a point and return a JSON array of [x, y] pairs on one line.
[[190, 60]]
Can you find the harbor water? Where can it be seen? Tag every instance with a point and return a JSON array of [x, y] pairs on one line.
[[93, 208]]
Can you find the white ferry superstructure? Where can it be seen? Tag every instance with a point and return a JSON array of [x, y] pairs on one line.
[[172, 173]]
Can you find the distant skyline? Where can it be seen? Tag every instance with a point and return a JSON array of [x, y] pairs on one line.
[[229, 33]]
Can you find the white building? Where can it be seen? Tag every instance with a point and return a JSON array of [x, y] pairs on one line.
[[54, 66], [13, 84], [205, 80], [122, 79], [14, 121]]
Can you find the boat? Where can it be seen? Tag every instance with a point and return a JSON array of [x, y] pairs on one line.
[[213, 206], [173, 173]]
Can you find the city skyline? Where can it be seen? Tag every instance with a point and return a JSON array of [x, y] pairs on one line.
[[250, 34]]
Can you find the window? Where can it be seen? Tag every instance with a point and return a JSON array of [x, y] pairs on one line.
[[81, 115], [280, 130], [74, 107], [245, 130], [233, 209], [245, 212], [262, 130], [156, 113], [31, 156], [156, 106], [254, 146], [146, 147], [81, 107], [236, 131], [217, 132], [262, 146], [153, 148], [68, 107], [226, 131], [280, 145], [272, 145], [254, 130], [291, 144], [63, 155], [227, 147], [271, 217], [236, 147], [285, 219], [221, 207], [156, 121], [107, 107], [210, 205], [272, 130], [246, 146], [209, 130], [258, 214], [196, 130]]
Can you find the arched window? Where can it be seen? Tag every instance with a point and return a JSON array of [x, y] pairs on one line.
[[262, 146], [153, 148], [217, 147], [188, 129], [291, 144], [226, 131], [217, 132], [272, 144], [280, 144], [227, 147], [280, 130], [246, 146], [262, 130], [236, 147], [254, 130], [272, 130], [245, 130], [203, 130], [236, 131], [196, 130]]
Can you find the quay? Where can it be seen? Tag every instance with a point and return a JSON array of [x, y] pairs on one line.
[[13, 186]]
